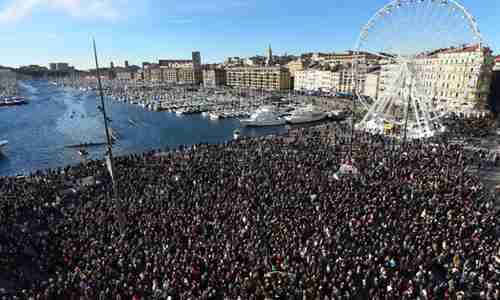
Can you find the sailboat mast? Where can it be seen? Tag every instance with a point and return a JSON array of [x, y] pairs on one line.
[[103, 110]]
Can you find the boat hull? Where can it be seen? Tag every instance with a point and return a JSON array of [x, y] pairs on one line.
[[3, 144], [15, 102], [213, 117], [302, 120], [252, 123]]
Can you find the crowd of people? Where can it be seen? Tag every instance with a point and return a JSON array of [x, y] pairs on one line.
[[294, 216], [470, 127]]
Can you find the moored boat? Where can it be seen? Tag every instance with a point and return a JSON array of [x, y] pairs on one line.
[[306, 114], [264, 116], [236, 134], [12, 101], [213, 116], [3, 144]]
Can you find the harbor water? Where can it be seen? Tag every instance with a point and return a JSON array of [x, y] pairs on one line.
[[39, 133]]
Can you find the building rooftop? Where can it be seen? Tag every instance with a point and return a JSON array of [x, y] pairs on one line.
[[166, 61], [465, 48], [260, 68]]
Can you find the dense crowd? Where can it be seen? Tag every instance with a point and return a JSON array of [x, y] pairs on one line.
[[264, 218], [470, 127]]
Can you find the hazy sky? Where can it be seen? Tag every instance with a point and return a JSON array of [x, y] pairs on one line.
[[41, 31]]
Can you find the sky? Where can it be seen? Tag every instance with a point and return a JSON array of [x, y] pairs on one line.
[[43, 31]]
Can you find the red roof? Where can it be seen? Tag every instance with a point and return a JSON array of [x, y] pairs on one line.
[[497, 59]]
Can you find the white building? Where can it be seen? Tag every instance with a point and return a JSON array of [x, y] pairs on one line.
[[372, 84], [339, 81], [346, 74], [316, 80]]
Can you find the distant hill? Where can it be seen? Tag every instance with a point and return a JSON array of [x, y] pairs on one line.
[[9, 68]]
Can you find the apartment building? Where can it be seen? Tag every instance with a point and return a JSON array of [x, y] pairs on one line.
[[175, 63], [169, 75], [124, 74], [189, 76], [346, 58], [181, 71], [316, 80], [455, 78], [193, 63], [295, 66], [214, 78], [265, 78]]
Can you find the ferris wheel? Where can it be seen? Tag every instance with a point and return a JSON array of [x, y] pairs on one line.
[[430, 55]]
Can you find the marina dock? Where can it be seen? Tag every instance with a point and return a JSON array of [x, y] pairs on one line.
[[215, 104]]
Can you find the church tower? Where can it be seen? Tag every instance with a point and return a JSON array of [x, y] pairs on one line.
[[270, 56]]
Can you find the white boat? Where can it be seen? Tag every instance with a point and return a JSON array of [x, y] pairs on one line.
[[236, 134], [83, 152], [306, 114], [213, 116], [264, 116], [2, 145]]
